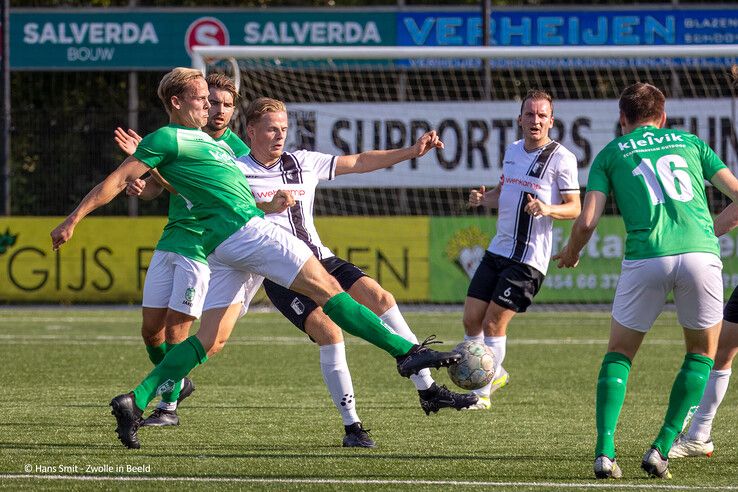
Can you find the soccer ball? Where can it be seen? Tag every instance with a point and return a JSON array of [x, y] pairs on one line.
[[476, 367]]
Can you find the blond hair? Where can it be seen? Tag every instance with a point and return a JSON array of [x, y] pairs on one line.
[[263, 105], [175, 83]]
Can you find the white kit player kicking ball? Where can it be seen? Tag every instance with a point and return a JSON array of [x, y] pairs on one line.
[[539, 183], [269, 169]]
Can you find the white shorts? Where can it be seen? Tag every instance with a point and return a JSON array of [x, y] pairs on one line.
[[258, 248], [176, 282], [222, 280], [695, 278]]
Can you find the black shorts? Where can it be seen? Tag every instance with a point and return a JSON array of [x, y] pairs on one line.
[[297, 307], [730, 312], [509, 283]]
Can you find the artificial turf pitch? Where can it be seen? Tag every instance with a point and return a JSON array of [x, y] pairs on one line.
[[261, 417]]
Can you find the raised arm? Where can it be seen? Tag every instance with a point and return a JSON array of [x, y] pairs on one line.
[[103, 193], [726, 182], [581, 231], [379, 159]]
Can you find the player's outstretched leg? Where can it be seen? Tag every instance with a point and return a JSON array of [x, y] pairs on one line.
[[359, 321], [437, 397], [432, 397], [420, 356]]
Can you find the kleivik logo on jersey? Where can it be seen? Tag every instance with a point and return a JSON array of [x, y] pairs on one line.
[[649, 140]]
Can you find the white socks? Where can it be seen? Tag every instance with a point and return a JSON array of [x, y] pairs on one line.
[[717, 385], [498, 346], [338, 380], [393, 318]]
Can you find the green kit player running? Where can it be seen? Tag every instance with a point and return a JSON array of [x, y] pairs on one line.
[[178, 274], [657, 178], [236, 234]]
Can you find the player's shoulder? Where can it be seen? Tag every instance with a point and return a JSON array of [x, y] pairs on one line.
[[515, 149], [563, 154], [305, 157], [165, 132]]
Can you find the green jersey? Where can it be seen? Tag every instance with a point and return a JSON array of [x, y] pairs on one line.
[[658, 179], [233, 143], [183, 233], [210, 185]]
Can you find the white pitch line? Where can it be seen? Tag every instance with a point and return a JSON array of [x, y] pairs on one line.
[[336, 481]]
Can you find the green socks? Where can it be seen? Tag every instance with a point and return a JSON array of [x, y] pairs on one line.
[[359, 321], [156, 354], [171, 396], [685, 396], [611, 385], [177, 363]]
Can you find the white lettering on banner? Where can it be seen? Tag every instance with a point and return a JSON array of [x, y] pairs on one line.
[[476, 134], [90, 33], [83, 54], [300, 33]]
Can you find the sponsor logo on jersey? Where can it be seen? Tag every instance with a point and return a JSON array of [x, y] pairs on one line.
[[523, 182], [297, 306], [649, 140]]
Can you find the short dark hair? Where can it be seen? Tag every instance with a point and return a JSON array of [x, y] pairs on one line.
[[536, 94], [641, 102], [222, 82]]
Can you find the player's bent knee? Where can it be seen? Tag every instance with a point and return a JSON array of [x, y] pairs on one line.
[[385, 300]]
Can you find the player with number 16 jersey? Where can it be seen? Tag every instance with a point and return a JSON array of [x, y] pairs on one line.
[[673, 216]]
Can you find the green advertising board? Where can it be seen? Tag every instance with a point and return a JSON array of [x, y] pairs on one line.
[[141, 39], [457, 246]]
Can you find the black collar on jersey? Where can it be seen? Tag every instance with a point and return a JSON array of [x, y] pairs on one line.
[[276, 163]]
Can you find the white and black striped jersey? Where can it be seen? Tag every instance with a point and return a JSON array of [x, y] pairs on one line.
[[545, 173], [298, 173]]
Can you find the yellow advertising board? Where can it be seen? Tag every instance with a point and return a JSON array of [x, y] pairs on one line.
[[105, 261], [392, 250], [107, 258]]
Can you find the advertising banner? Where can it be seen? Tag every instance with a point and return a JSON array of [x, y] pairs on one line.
[[143, 39], [111, 267], [589, 27], [476, 134], [458, 244], [391, 250], [92, 267]]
